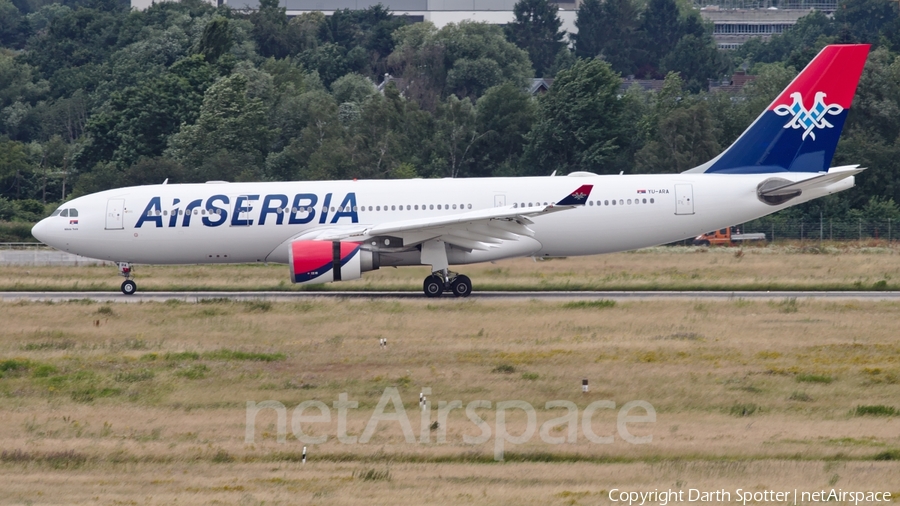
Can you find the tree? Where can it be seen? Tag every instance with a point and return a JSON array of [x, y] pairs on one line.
[[216, 39], [660, 32], [455, 134], [686, 140], [537, 31], [230, 125], [578, 123], [867, 20], [504, 116], [352, 88], [270, 29], [77, 38], [137, 122], [609, 30], [697, 60], [591, 36], [13, 26], [796, 46], [464, 59], [13, 166]]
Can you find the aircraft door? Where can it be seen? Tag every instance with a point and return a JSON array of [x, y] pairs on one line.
[[499, 200], [114, 211], [684, 199]]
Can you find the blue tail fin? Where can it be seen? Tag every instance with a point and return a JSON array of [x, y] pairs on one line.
[[799, 131]]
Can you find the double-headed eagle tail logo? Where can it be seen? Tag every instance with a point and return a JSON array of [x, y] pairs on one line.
[[808, 120]]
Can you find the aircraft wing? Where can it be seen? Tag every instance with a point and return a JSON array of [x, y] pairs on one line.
[[478, 230], [834, 175]]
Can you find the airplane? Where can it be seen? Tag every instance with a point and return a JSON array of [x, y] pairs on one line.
[[336, 230]]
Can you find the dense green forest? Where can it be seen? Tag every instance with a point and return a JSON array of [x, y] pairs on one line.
[[94, 95]]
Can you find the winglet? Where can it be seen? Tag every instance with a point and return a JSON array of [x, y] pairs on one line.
[[577, 197]]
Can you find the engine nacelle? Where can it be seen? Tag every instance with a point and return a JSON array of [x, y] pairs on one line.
[[326, 261]]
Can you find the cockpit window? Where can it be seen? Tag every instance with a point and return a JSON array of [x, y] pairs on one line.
[[56, 213], [64, 213], [73, 213]]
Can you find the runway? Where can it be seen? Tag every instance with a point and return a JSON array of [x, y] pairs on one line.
[[117, 297]]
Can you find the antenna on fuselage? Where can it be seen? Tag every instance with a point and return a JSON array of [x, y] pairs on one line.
[[166, 181], [553, 173]]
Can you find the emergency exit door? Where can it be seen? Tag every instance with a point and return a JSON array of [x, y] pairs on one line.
[[499, 200], [114, 211], [684, 199]]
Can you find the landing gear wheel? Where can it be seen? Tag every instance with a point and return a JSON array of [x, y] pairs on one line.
[[433, 286], [129, 287], [461, 286]]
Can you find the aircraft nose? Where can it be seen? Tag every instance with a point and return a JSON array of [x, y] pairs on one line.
[[41, 231]]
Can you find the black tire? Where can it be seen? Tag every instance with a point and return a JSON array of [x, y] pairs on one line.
[[433, 286], [462, 286], [129, 287]]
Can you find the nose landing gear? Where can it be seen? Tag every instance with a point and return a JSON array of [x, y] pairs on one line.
[[128, 286]]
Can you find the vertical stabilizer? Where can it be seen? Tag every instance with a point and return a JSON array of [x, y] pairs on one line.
[[799, 131]]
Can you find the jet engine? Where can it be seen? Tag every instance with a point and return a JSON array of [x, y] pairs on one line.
[[326, 261]]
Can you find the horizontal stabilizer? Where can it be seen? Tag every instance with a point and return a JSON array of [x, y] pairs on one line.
[[832, 176]]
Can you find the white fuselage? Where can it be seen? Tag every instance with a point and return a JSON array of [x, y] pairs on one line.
[[649, 210]]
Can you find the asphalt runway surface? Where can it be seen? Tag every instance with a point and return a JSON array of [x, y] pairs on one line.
[[118, 297]]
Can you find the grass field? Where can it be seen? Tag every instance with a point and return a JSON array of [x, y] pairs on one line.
[[835, 266], [147, 403]]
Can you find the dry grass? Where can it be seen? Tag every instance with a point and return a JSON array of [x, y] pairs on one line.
[[832, 267], [149, 405]]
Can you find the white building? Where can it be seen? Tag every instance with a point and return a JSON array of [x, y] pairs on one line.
[[439, 12]]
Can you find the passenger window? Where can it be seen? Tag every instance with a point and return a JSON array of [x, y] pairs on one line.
[[621, 202], [165, 213], [408, 207], [470, 206], [629, 202], [64, 213], [195, 212], [613, 202], [393, 208], [591, 203], [651, 201], [645, 201]]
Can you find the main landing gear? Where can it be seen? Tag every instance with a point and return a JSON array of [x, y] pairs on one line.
[[439, 282], [128, 286], [434, 253]]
